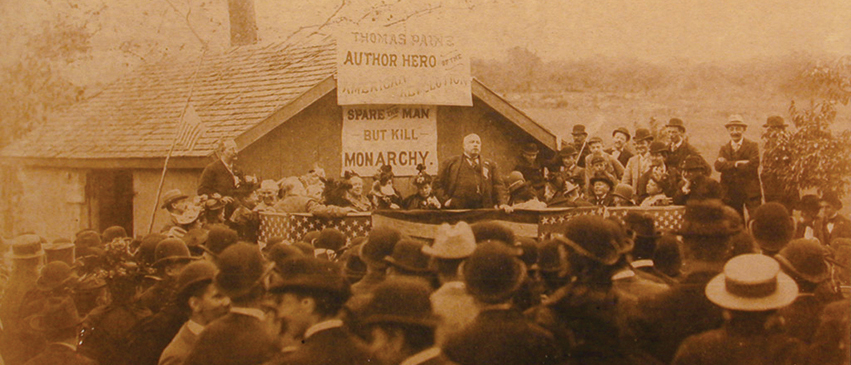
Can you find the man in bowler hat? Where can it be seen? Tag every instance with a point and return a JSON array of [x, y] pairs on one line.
[[834, 225], [776, 160], [738, 163], [579, 144], [679, 147], [469, 181], [59, 323]]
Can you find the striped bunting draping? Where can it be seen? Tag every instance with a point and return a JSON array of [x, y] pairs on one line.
[[293, 227], [423, 223]]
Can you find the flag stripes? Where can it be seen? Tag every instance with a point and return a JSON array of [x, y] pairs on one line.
[[190, 129]]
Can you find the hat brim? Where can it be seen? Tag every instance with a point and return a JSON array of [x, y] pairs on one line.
[[42, 286], [628, 137], [514, 188], [169, 260], [27, 256], [396, 263], [430, 320], [431, 251], [815, 279], [786, 293], [36, 323], [728, 125], [502, 295], [172, 200]]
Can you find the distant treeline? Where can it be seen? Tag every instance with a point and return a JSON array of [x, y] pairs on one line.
[[523, 71]]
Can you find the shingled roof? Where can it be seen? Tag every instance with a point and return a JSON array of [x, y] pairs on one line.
[[137, 116]]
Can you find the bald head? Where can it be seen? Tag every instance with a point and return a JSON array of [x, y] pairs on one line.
[[472, 145]]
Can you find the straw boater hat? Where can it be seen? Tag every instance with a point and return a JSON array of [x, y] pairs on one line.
[[752, 283], [452, 242], [735, 120], [401, 301], [60, 250], [27, 246], [172, 196]]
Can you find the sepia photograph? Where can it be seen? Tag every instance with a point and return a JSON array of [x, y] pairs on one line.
[[404, 182]]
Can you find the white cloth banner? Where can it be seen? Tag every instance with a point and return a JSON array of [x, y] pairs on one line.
[[401, 136], [401, 67]]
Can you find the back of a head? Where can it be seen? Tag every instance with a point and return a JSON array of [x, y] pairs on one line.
[[330, 239], [493, 231], [706, 231], [379, 244], [241, 268], [594, 237], [668, 257], [220, 238], [493, 273], [772, 226], [113, 232]]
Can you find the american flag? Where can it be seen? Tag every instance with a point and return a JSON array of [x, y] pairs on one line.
[[191, 127], [293, 227]]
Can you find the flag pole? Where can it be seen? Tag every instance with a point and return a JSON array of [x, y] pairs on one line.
[[174, 142]]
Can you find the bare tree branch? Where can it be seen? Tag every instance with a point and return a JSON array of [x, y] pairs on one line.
[[188, 23]]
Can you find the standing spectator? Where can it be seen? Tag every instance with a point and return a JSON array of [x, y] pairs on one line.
[[776, 160], [198, 297], [172, 255], [804, 261], [470, 181], [750, 290], [678, 147], [499, 334], [738, 163], [659, 184], [26, 258], [809, 226], [531, 169], [59, 323], [408, 260], [619, 150], [612, 165], [579, 135], [640, 163], [566, 170], [772, 227], [832, 341], [379, 244], [834, 225]]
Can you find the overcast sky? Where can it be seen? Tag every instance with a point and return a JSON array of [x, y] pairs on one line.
[[654, 30]]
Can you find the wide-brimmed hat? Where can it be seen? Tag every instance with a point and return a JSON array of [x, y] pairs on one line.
[[171, 250], [530, 148], [408, 255], [623, 131], [774, 121], [401, 301], [59, 313], [201, 271], [567, 151], [752, 283], [379, 244], [658, 147], [804, 258], [493, 273], [27, 246], [594, 237], [515, 181], [241, 269], [579, 129], [310, 273], [735, 120], [677, 123], [172, 196], [452, 242], [772, 226], [602, 177], [642, 134], [54, 275], [220, 238], [623, 191], [706, 219], [60, 250]]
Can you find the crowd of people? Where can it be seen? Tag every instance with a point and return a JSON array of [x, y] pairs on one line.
[[722, 289]]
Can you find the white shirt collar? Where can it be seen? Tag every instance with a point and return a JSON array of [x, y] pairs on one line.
[[624, 274], [676, 146], [321, 326], [641, 263], [194, 327], [253, 312], [422, 356], [736, 145]]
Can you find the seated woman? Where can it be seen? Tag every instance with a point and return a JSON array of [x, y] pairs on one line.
[[354, 194], [296, 201], [424, 198], [383, 194]]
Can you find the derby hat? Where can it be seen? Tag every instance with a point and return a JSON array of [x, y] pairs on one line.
[[604, 178], [310, 273], [54, 275], [623, 191], [567, 151], [172, 196], [452, 242], [774, 121], [201, 271], [735, 120], [408, 255], [623, 131], [597, 158], [528, 252], [27, 246], [804, 258], [552, 256], [752, 283], [641, 224], [772, 226], [146, 254], [59, 314], [642, 134], [530, 148], [282, 252], [515, 181], [171, 250], [86, 239], [658, 147], [379, 244], [593, 237], [492, 230], [112, 233], [196, 239], [330, 239], [220, 238], [693, 162], [60, 250], [401, 301], [493, 273], [579, 129], [676, 123], [241, 269], [706, 219]]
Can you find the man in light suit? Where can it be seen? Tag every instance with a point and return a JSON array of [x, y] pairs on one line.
[[202, 300], [738, 163], [640, 163], [469, 181]]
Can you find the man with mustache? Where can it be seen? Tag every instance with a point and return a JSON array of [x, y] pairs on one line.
[[738, 163]]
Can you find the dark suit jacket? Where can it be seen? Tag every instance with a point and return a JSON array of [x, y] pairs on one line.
[[729, 347], [56, 354], [502, 337], [179, 348], [740, 182], [493, 188], [701, 189], [235, 339], [334, 346], [675, 158], [623, 158], [841, 229], [217, 179], [668, 184]]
